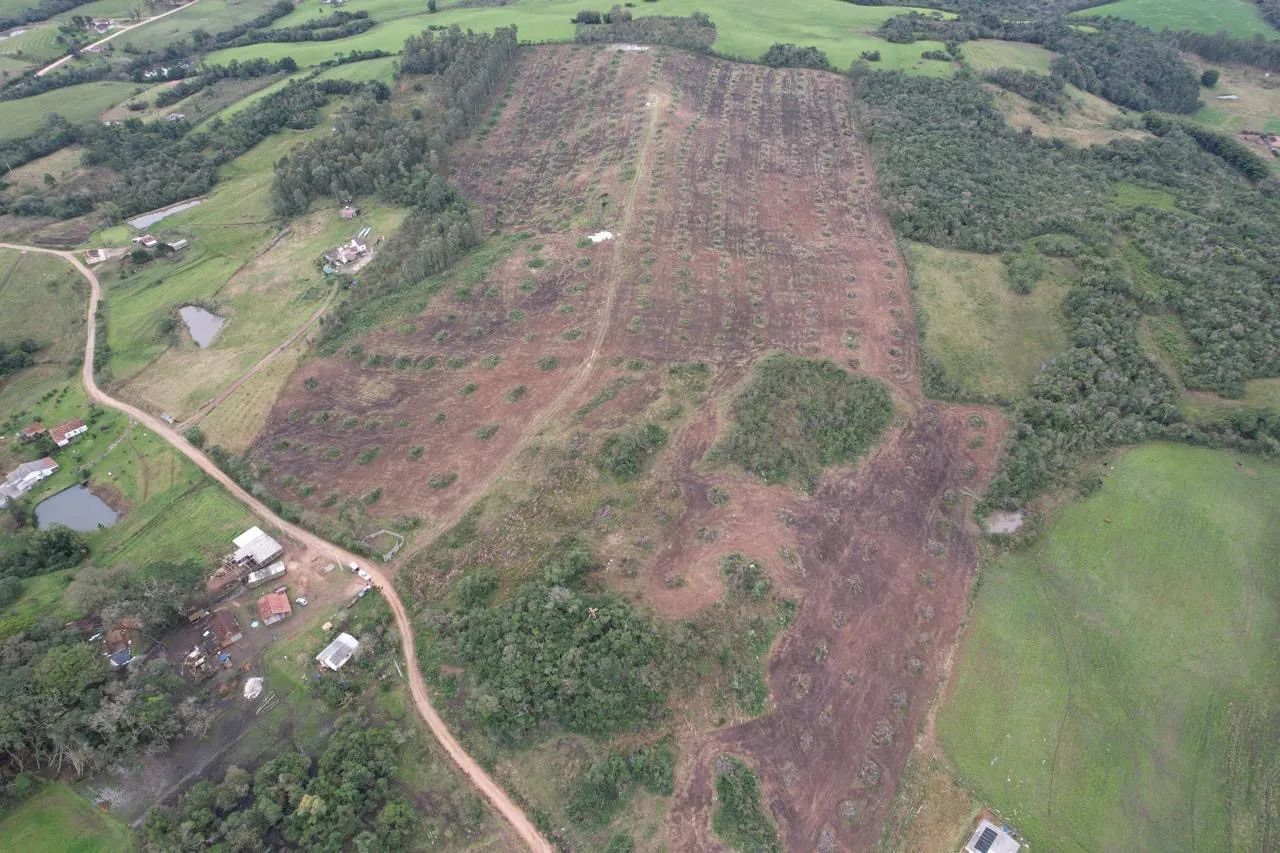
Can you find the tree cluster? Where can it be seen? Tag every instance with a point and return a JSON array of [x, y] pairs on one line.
[[15, 356], [337, 25], [1034, 87], [781, 55], [235, 70], [555, 654], [344, 799]]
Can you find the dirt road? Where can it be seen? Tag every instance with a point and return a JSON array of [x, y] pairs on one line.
[[58, 62], [511, 812]]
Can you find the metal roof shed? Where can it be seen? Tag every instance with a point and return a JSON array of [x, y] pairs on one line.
[[336, 654]]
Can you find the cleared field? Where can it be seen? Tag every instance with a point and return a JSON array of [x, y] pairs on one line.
[[987, 338], [80, 104], [58, 820], [1118, 685], [1237, 17], [842, 30], [990, 54], [1203, 407], [236, 422], [744, 222], [35, 45]]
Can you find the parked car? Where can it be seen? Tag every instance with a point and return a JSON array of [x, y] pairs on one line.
[[301, 601]]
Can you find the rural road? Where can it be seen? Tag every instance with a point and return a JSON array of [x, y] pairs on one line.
[[509, 810], [57, 62]]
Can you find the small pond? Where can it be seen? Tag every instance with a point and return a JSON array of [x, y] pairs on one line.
[[77, 508], [203, 325], [146, 220]]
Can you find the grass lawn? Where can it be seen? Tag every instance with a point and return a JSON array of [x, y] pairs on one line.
[[1120, 680], [1258, 104], [842, 30], [58, 820], [990, 54], [988, 338], [79, 104], [1238, 17]]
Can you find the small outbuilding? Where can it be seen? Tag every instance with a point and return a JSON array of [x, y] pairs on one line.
[[225, 629], [336, 654], [31, 432], [349, 211], [274, 607], [262, 576], [989, 838]]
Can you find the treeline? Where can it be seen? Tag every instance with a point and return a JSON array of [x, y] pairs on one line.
[[343, 799], [1233, 152], [781, 55], [30, 84], [224, 38], [235, 70], [1270, 10], [337, 25], [692, 32], [1221, 47], [1034, 87], [955, 175], [1127, 64]]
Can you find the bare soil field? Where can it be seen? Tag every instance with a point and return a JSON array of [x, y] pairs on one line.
[[745, 219]]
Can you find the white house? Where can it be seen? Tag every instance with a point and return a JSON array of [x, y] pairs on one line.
[[337, 653], [63, 433], [24, 478]]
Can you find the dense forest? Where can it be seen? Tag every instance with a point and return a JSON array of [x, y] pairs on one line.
[[955, 175]]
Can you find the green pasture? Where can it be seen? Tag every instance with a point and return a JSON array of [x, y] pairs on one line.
[[1119, 683], [990, 54], [986, 337], [842, 30], [35, 45], [80, 104], [58, 820], [1237, 17]]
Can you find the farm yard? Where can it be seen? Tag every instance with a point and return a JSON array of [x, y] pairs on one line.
[[472, 383]]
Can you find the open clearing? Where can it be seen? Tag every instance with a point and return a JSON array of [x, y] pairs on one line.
[[58, 820], [1088, 119], [1239, 18], [745, 218], [1257, 107], [988, 339], [990, 54], [1133, 651]]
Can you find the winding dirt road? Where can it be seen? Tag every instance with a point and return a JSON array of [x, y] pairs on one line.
[[417, 687]]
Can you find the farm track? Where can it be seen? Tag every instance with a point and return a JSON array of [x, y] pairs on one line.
[[482, 781]]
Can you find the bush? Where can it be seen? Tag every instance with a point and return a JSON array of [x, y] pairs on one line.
[[195, 435], [624, 455], [793, 56], [740, 818], [1209, 78]]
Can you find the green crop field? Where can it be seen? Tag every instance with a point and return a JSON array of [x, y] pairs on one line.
[[1236, 17], [987, 338], [35, 45], [843, 30], [1120, 680], [58, 820], [989, 54], [79, 104]]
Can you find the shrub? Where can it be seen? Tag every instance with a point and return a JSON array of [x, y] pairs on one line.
[[368, 455], [625, 454], [740, 818], [442, 480], [195, 435], [487, 431]]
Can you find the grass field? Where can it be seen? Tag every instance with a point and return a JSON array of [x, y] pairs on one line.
[[1087, 120], [80, 104], [1258, 104], [842, 30], [987, 337], [58, 820], [1118, 685], [1237, 17], [990, 54], [1204, 407], [36, 45]]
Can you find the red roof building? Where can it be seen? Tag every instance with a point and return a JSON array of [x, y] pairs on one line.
[[226, 630], [63, 433], [32, 432], [273, 607]]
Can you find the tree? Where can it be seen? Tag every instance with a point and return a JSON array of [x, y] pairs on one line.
[[1209, 78], [195, 435], [431, 6], [69, 671]]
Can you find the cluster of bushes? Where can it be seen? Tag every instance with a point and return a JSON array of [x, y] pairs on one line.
[[342, 799], [797, 416], [1233, 152], [37, 552], [15, 356], [337, 25], [793, 56], [555, 654], [740, 818], [693, 32], [603, 787], [1034, 87]]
